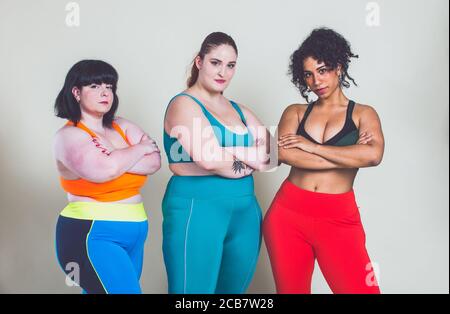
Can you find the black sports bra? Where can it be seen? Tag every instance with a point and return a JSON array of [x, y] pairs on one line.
[[349, 134]]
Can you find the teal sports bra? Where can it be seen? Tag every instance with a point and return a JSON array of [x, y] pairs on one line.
[[176, 153]]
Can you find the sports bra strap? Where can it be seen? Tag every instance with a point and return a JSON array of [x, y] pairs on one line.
[[238, 109], [92, 134], [350, 108]]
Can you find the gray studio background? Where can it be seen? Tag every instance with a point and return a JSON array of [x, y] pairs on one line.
[[402, 72]]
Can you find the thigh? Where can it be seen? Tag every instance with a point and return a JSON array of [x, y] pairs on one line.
[[291, 254], [193, 233], [241, 246], [343, 258]]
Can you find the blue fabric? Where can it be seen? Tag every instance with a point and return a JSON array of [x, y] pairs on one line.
[[176, 153], [211, 234], [109, 253]]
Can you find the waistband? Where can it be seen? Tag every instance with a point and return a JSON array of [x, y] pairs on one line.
[[207, 187], [316, 203], [105, 211]]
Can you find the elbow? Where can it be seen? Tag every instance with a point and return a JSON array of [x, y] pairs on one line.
[[264, 164], [208, 166], [156, 164], [281, 156], [375, 160]]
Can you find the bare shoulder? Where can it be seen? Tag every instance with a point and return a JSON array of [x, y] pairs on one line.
[[295, 110], [183, 106], [68, 138], [246, 110], [125, 123], [68, 133], [365, 111]]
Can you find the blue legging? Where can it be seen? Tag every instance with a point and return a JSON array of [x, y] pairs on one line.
[[108, 254], [211, 234]]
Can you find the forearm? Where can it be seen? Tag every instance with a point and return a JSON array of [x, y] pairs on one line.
[[147, 165], [298, 158], [353, 156], [255, 157], [122, 160], [227, 166]]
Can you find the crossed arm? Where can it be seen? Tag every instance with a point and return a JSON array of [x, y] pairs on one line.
[[95, 162], [185, 120], [297, 151], [149, 163]]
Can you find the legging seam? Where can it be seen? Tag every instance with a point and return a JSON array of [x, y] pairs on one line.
[[252, 265], [89, 258], [185, 245]]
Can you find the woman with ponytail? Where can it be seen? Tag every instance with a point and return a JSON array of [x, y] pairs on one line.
[[212, 220]]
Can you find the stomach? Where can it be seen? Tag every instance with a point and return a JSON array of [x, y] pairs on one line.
[[136, 199], [334, 181]]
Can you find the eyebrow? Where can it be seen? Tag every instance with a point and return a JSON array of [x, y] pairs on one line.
[[214, 59]]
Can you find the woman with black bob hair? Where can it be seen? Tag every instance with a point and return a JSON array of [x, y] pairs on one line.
[[103, 161], [314, 214]]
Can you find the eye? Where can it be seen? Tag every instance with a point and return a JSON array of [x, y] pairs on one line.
[[93, 86], [109, 86], [213, 62], [306, 74], [323, 71], [231, 66]]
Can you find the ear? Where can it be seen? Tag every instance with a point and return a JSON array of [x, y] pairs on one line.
[[76, 93], [198, 62]]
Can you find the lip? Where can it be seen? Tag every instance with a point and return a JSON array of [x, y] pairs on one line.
[[321, 91], [221, 81], [104, 102]]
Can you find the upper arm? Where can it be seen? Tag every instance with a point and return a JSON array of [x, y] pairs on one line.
[[370, 122], [186, 122], [76, 151], [132, 131], [289, 121]]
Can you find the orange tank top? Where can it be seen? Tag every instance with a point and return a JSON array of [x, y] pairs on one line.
[[125, 186]]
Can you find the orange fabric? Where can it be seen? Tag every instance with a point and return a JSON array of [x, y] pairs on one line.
[[125, 186]]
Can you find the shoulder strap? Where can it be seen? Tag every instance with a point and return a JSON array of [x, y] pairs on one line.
[[193, 98], [351, 106], [307, 112], [83, 127], [121, 132], [239, 111]]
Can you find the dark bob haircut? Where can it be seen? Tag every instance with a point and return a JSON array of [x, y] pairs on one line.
[[324, 45], [84, 73]]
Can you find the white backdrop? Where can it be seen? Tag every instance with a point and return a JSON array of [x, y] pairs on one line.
[[402, 71]]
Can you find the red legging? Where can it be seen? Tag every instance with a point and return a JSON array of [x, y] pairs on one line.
[[301, 226]]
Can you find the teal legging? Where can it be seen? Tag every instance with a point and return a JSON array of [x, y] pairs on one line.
[[211, 234]]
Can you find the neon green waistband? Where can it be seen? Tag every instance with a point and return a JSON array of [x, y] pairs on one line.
[[105, 211]]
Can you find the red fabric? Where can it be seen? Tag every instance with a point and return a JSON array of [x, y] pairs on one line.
[[302, 226]]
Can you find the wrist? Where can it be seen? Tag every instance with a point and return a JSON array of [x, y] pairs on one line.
[[315, 148]]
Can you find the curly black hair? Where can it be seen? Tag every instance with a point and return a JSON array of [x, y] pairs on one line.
[[324, 45]]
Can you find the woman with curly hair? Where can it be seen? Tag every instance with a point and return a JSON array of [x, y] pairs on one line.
[[314, 214]]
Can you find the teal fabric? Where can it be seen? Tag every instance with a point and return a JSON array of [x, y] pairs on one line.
[[211, 234], [176, 153]]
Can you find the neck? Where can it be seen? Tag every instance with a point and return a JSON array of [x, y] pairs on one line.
[[336, 99], [93, 122], [207, 95]]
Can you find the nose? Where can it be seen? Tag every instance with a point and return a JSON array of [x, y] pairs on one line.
[[104, 91], [222, 71], [316, 81]]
